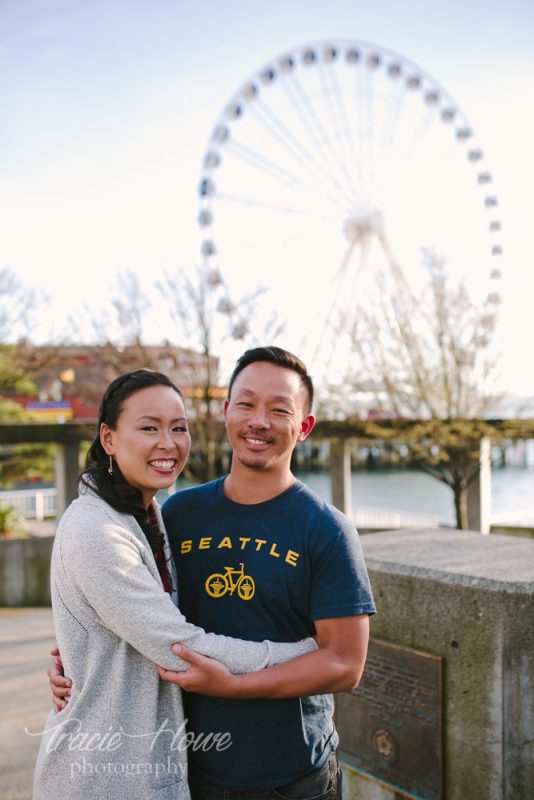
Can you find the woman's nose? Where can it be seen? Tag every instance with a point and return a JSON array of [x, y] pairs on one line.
[[165, 440]]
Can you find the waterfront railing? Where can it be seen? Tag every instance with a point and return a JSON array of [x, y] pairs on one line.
[[35, 504], [39, 504]]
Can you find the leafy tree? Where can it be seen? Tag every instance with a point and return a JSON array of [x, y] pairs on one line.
[[11, 522], [428, 356], [25, 461], [18, 305]]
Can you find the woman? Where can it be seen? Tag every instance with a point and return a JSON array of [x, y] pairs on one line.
[[122, 733]]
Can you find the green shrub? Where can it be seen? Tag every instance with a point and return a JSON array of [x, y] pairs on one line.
[[11, 521]]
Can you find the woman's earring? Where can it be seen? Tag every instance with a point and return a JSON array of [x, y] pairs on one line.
[[110, 468]]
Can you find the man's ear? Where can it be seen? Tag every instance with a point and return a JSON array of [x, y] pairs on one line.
[[226, 404], [106, 438], [306, 427]]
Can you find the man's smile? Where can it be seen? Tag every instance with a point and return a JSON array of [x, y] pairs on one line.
[[255, 440]]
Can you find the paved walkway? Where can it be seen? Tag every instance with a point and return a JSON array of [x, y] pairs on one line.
[[26, 636], [45, 527]]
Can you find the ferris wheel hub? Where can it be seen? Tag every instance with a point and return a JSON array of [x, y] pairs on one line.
[[360, 228]]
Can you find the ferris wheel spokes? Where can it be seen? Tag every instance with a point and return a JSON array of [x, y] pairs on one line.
[[334, 157]]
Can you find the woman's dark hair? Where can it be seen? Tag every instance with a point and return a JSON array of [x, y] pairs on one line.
[[280, 358], [115, 489]]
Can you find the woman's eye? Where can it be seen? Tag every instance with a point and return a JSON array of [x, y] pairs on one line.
[[149, 428], [179, 429]]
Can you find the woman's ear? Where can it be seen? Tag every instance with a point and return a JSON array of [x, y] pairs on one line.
[[106, 438]]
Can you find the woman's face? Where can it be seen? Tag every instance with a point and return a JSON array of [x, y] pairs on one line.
[[151, 441]]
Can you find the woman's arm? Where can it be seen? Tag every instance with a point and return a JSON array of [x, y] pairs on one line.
[[106, 571], [337, 666]]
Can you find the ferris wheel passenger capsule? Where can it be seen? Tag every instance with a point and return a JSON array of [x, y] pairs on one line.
[[208, 248], [330, 54], [205, 218], [207, 187]]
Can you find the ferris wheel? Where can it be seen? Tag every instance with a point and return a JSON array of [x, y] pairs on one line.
[[337, 161]]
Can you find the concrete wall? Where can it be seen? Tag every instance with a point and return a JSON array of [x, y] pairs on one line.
[[467, 598], [25, 571], [514, 530], [461, 596]]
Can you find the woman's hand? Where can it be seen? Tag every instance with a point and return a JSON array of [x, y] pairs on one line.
[[204, 676], [60, 686]]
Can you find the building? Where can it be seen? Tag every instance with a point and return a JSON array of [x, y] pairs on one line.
[[71, 379]]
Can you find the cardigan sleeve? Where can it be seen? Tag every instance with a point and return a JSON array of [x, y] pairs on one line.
[[115, 587]]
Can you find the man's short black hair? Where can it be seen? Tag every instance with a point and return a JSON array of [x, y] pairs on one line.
[[280, 358]]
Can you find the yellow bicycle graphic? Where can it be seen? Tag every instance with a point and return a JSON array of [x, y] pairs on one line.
[[219, 584]]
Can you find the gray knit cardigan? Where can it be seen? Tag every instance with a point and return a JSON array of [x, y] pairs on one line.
[[122, 735]]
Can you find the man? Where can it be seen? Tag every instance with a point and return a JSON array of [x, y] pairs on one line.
[[260, 556]]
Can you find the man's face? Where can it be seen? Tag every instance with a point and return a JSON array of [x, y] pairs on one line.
[[266, 416]]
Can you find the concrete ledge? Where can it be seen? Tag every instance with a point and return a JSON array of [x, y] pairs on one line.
[[25, 571], [497, 562], [513, 530]]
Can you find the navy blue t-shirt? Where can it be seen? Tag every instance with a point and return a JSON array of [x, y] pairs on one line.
[[264, 571]]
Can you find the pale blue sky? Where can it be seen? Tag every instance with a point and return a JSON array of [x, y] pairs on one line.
[[107, 108]]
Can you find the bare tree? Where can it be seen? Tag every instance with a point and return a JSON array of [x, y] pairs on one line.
[[18, 306], [429, 357], [118, 339], [120, 329], [208, 316]]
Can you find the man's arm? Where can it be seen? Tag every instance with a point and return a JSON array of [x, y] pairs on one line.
[[337, 666]]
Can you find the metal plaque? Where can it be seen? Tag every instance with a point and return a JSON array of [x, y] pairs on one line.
[[390, 726]]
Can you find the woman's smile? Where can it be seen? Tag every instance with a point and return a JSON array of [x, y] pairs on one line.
[[164, 466]]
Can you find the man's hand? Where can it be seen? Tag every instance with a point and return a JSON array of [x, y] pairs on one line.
[[205, 675], [60, 686], [335, 667]]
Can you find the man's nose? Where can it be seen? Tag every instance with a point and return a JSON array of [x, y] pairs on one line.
[[259, 418]]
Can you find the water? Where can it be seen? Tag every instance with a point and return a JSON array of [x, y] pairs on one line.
[[415, 492], [411, 492]]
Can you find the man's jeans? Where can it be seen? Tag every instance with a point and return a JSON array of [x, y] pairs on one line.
[[323, 784]]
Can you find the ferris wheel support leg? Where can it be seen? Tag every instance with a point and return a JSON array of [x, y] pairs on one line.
[[340, 475]]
